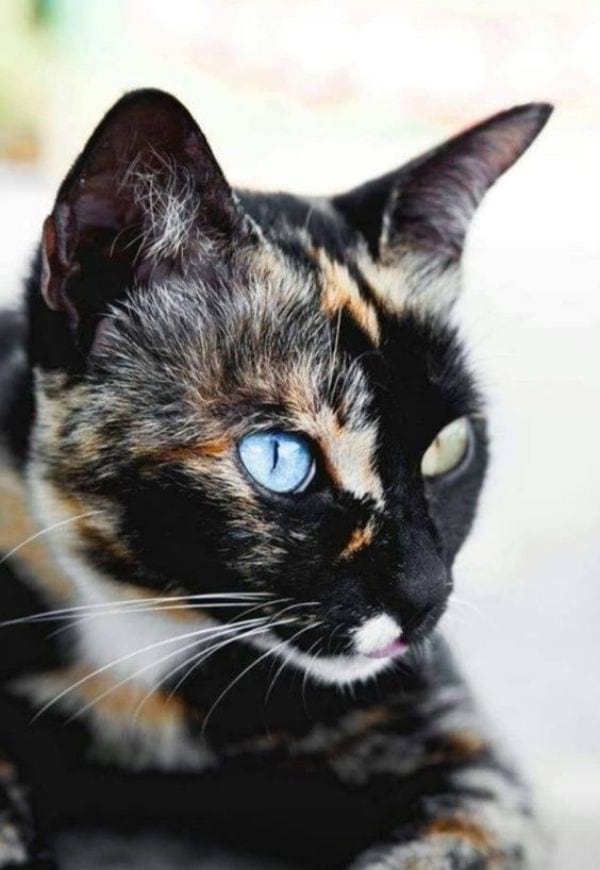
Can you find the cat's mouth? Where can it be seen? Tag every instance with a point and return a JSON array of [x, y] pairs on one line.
[[373, 646], [379, 637], [393, 650]]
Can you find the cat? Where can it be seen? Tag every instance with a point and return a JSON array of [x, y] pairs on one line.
[[242, 445]]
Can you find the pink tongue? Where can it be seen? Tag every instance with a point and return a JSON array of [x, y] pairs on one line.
[[395, 648]]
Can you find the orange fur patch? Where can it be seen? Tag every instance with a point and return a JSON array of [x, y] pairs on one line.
[[348, 454], [371, 717], [211, 449], [465, 744], [97, 538], [464, 829], [17, 526], [155, 709], [340, 292], [8, 772], [359, 539], [362, 723]]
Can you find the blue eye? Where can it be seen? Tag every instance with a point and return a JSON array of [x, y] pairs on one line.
[[280, 461]]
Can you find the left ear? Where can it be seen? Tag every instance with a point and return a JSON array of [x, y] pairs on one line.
[[427, 205]]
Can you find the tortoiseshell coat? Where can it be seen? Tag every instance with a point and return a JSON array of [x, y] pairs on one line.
[[166, 315]]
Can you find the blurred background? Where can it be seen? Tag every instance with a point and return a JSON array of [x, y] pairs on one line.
[[317, 96]]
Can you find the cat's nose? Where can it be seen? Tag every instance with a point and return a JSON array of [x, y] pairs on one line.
[[420, 595], [417, 621]]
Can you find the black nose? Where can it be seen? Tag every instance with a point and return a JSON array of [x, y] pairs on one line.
[[416, 581], [421, 592], [416, 622]]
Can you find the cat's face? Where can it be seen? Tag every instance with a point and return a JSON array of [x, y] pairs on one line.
[[275, 400]]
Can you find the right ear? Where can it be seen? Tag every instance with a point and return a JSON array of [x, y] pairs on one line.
[[145, 190]]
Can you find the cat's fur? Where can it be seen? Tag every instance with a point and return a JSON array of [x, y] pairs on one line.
[[166, 317]]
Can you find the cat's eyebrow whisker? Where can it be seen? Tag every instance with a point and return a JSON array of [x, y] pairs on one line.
[[246, 670], [129, 605], [215, 630], [46, 531], [129, 677]]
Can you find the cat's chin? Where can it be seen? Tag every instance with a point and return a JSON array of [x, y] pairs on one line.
[[339, 670]]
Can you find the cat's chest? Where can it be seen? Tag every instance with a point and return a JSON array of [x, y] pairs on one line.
[[261, 791]]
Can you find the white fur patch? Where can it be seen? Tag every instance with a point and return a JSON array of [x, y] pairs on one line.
[[375, 634], [342, 670], [12, 849], [105, 638], [142, 647]]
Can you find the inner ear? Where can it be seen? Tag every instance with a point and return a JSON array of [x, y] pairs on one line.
[[143, 194]]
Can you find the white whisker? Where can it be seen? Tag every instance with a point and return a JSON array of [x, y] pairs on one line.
[[299, 604], [307, 670], [118, 611], [146, 668], [284, 663], [194, 661], [138, 673], [236, 680], [130, 605], [149, 648], [45, 531], [463, 602], [75, 623], [278, 616]]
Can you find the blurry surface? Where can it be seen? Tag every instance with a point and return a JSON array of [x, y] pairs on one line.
[[315, 96]]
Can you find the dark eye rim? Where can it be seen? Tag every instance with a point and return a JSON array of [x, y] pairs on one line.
[[314, 472], [466, 459]]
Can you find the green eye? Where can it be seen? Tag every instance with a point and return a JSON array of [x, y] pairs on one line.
[[448, 448]]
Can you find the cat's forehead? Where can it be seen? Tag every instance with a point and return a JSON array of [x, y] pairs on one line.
[[268, 336], [318, 256], [285, 328]]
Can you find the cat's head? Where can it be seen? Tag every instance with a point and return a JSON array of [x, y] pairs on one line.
[[262, 393]]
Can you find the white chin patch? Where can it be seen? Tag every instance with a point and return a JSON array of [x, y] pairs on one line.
[[375, 634], [340, 670]]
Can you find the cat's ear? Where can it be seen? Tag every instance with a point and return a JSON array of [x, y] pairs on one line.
[[427, 205], [145, 189]]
